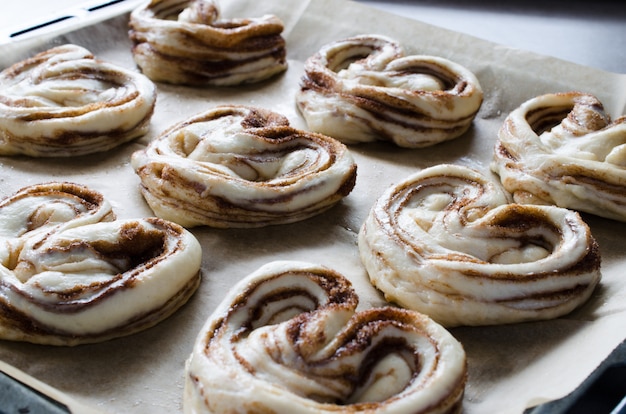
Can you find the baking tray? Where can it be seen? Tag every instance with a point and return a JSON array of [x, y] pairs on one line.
[[511, 367]]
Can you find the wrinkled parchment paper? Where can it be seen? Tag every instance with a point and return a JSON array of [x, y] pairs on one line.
[[510, 367]]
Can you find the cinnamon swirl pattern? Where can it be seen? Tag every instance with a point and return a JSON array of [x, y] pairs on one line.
[[364, 89], [71, 274], [237, 166], [185, 42], [64, 102], [288, 336], [446, 242], [563, 149]]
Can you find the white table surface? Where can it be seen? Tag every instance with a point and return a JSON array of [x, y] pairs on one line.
[[588, 33]]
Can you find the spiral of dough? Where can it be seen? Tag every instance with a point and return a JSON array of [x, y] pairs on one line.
[[563, 149], [237, 166], [71, 274], [446, 242], [64, 102], [185, 42], [364, 89], [288, 335]]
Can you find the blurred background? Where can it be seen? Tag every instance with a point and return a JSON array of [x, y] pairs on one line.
[[591, 33]]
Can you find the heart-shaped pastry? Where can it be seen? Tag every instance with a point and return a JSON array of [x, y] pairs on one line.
[[236, 166], [71, 274], [185, 42], [64, 102], [288, 336], [446, 242], [563, 149], [365, 89]]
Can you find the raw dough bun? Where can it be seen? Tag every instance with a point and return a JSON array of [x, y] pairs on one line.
[[288, 337], [237, 166], [364, 88], [563, 149], [446, 242], [71, 274], [64, 102], [185, 42]]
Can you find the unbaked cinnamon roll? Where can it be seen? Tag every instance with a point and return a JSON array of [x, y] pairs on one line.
[[64, 102], [288, 336], [563, 149], [237, 166], [364, 89], [446, 242], [71, 274], [185, 42]]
